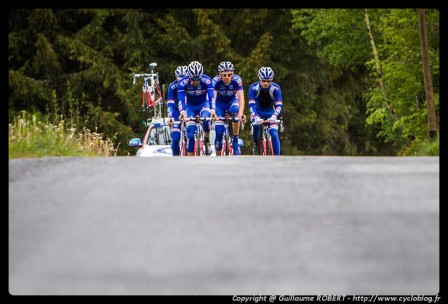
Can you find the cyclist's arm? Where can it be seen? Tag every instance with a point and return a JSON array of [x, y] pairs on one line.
[[170, 101], [211, 96], [181, 97], [240, 95], [252, 108], [214, 101], [278, 107], [278, 103]]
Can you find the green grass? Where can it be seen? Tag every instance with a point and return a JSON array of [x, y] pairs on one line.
[[422, 148], [30, 136]]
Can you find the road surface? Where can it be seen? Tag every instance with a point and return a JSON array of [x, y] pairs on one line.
[[221, 226]]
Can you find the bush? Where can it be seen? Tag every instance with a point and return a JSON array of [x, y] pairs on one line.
[[32, 135]]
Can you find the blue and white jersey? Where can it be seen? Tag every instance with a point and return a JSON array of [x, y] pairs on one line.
[[195, 95], [265, 100], [172, 100], [227, 92]]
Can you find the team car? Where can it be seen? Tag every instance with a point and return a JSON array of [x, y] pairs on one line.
[[157, 140]]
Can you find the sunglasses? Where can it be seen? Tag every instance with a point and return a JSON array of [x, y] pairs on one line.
[[226, 74], [267, 81], [195, 78]]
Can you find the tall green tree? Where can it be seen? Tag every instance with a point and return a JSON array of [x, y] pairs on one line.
[[340, 36], [79, 62], [432, 123]]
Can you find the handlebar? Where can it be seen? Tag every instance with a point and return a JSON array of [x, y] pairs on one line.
[[224, 118], [230, 118], [144, 75], [147, 75], [266, 121], [197, 119]]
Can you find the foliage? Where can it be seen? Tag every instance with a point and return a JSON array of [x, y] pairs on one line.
[[420, 147], [33, 135], [79, 63], [340, 36]]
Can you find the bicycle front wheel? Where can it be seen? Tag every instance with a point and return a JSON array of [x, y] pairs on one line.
[[226, 145], [269, 150], [264, 146], [197, 146], [183, 148]]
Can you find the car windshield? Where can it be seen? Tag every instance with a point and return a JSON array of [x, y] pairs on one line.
[[159, 136]]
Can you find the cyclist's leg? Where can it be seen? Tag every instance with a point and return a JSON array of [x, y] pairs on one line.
[[175, 139], [205, 112], [233, 110], [273, 131], [191, 129], [175, 131], [255, 138], [219, 127]]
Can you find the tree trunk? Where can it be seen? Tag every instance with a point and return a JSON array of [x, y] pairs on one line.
[[378, 68], [432, 123]]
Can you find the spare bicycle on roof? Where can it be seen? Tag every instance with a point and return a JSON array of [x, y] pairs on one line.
[[157, 139]]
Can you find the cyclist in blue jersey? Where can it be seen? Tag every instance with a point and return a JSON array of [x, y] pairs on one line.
[[229, 96], [195, 93], [265, 103], [173, 108]]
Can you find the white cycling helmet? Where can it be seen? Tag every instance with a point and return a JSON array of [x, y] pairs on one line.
[[181, 71], [195, 70], [225, 66], [265, 73]]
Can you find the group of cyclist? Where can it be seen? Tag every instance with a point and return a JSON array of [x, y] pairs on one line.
[[195, 94]]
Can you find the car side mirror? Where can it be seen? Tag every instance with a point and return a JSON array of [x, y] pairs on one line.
[[135, 142]]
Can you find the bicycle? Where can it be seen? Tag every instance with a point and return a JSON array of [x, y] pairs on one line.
[[183, 138], [266, 148], [198, 135], [227, 146], [152, 98], [150, 90]]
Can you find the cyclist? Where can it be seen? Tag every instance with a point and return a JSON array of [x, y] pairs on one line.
[[193, 91], [173, 108], [229, 96], [265, 103]]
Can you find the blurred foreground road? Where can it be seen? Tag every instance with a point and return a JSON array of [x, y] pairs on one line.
[[214, 226]]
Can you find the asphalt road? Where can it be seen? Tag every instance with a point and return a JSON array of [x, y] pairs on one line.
[[223, 226]]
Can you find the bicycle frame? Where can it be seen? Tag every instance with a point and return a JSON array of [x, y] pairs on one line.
[[150, 90], [198, 134], [183, 139], [266, 140], [227, 148]]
